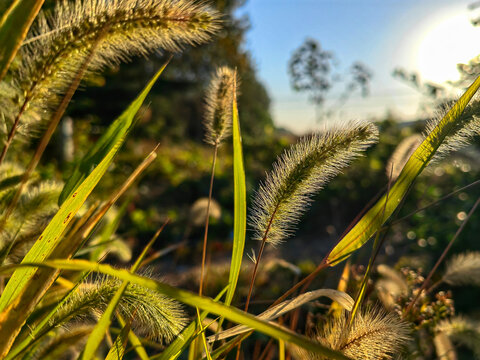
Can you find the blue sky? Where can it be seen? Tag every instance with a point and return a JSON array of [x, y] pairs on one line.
[[383, 34]]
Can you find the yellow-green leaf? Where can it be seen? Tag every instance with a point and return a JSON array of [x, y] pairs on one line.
[[116, 131], [52, 235], [240, 205], [96, 337], [231, 313], [117, 350], [14, 26], [385, 206], [175, 349]]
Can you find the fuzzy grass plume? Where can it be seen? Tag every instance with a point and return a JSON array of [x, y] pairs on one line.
[[463, 269], [155, 315], [300, 172], [35, 208], [374, 335], [462, 331], [117, 30], [219, 100], [467, 126], [401, 155]]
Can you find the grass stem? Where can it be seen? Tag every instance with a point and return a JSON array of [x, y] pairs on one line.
[[207, 217]]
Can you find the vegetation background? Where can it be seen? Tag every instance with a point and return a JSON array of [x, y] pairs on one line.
[[180, 177]]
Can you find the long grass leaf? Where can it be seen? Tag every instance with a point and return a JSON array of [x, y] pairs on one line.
[[278, 310], [116, 131], [14, 26], [135, 341], [96, 337], [240, 206], [384, 208], [51, 236], [174, 350], [42, 328], [204, 303], [117, 350]]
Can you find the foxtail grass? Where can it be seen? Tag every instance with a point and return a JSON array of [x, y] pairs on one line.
[[297, 175], [62, 39], [156, 316], [218, 123], [374, 335], [401, 155], [463, 269], [462, 331]]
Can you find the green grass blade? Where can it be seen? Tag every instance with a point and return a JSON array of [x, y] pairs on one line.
[[376, 216], [276, 311], [116, 131], [52, 235], [14, 26], [98, 333], [42, 328], [175, 349], [204, 303], [240, 206], [135, 341], [117, 350], [108, 231]]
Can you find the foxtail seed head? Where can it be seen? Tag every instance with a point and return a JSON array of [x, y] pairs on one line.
[[154, 315], [373, 335], [300, 172], [462, 331], [219, 99], [463, 269], [466, 127], [401, 155], [115, 30]]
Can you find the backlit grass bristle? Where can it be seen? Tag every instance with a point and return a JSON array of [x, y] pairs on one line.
[[401, 155], [114, 30], [154, 315], [373, 335], [463, 269], [36, 206], [219, 100], [300, 172], [462, 331], [62, 343], [465, 128]]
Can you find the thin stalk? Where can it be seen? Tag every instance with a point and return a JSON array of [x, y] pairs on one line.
[[13, 130], [255, 269], [444, 254], [57, 116], [436, 202], [266, 351], [207, 217], [376, 249]]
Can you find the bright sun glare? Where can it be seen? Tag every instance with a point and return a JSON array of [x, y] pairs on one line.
[[449, 42]]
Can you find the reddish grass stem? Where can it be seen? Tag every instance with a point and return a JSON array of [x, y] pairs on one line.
[[205, 236]]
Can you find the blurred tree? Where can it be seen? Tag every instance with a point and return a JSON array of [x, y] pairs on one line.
[[177, 100], [427, 88], [311, 71]]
